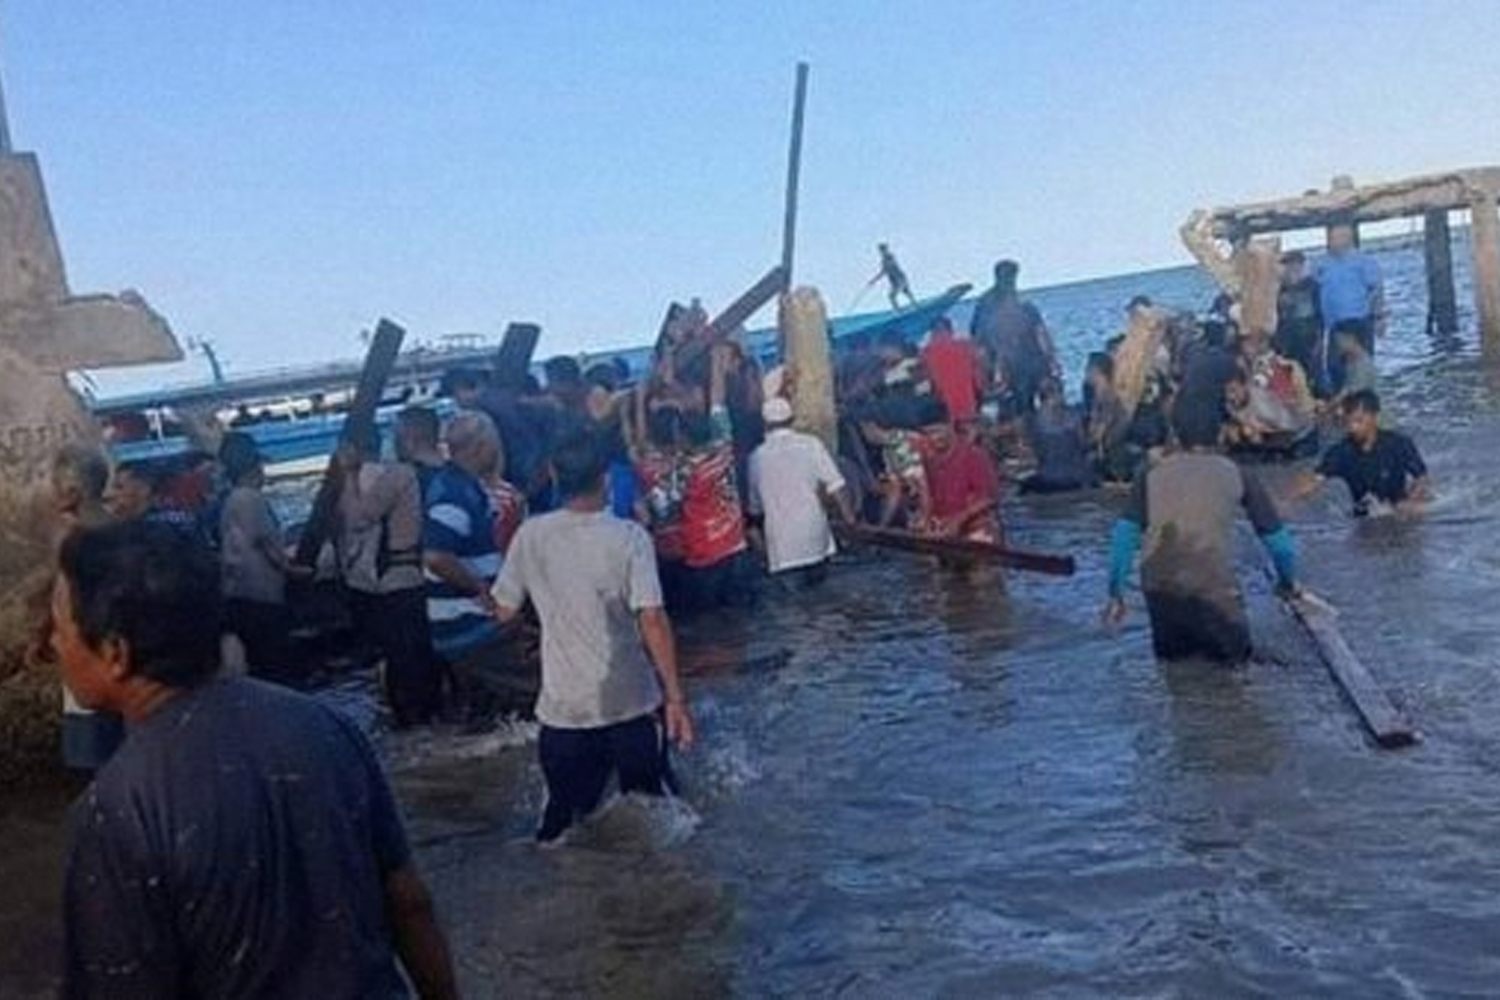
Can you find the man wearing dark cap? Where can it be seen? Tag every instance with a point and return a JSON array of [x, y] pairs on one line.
[[1181, 515], [1014, 334]]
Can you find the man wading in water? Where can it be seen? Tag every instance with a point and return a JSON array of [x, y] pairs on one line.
[[1184, 509], [593, 580], [244, 841]]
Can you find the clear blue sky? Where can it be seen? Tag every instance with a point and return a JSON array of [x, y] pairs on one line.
[[275, 175]]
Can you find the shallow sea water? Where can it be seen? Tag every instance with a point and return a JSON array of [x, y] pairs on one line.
[[920, 783]]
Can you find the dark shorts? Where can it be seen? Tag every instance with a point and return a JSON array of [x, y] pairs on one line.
[[1184, 628], [265, 630], [578, 763], [396, 625], [803, 578], [730, 583]]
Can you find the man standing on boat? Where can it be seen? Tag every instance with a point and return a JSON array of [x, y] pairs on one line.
[[896, 281], [792, 479], [1182, 513], [610, 693], [1016, 337]]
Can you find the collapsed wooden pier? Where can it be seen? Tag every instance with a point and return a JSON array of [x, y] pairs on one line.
[[1224, 239]]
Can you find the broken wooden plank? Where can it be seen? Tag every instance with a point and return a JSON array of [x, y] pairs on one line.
[[749, 303], [961, 548], [513, 359], [385, 347], [1384, 721]]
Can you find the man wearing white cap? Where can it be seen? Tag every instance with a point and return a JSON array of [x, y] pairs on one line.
[[792, 475]]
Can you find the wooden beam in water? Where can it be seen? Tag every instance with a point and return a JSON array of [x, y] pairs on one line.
[[1384, 721], [385, 347], [961, 548]]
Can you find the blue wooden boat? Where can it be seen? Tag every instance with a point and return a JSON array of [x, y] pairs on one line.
[[307, 437]]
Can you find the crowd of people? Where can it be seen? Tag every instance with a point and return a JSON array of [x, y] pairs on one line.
[[586, 512]]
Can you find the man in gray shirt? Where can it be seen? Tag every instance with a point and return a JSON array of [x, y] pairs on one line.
[[609, 662]]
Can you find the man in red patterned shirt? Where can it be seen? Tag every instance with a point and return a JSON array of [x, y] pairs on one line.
[[716, 553]]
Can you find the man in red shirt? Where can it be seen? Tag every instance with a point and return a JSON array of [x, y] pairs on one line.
[[963, 482], [716, 553], [953, 365]]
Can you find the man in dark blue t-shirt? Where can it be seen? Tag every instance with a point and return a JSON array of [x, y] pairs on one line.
[[1382, 469], [243, 842]]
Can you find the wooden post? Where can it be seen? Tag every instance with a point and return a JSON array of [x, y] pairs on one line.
[[5, 147], [793, 178], [1259, 265], [1485, 232], [513, 359], [808, 352], [1442, 305], [385, 348]]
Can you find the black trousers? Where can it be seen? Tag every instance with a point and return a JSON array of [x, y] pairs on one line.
[[265, 630], [396, 625], [1184, 628], [578, 763]]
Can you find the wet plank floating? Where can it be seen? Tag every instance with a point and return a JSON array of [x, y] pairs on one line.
[[911, 541], [1384, 721], [385, 348]]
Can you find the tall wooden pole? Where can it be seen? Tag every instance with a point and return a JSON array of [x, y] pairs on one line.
[[1485, 232], [5, 148], [1442, 305], [793, 178]]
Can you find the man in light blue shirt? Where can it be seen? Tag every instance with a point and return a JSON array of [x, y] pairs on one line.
[[1351, 295]]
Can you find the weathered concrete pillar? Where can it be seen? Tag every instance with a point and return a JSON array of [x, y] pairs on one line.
[[1485, 233], [1442, 304], [44, 334], [1258, 264], [808, 354]]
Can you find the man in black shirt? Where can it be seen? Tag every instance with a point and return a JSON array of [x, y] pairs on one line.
[[243, 842], [1382, 469]]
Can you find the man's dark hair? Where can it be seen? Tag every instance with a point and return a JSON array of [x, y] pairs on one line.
[[239, 455], [1294, 257], [1006, 273], [1363, 401], [88, 467], [366, 438], [697, 429], [603, 375], [463, 378], [664, 426], [422, 421], [1102, 363], [1198, 419], [1140, 302], [155, 475], [578, 464], [155, 588], [931, 412], [561, 371]]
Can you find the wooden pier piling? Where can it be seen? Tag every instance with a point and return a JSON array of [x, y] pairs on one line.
[[1485, 234], [1213, 236], [1442, 301]]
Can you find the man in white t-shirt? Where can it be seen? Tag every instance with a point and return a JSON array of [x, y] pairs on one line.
[[792, 476], [609, 662]]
